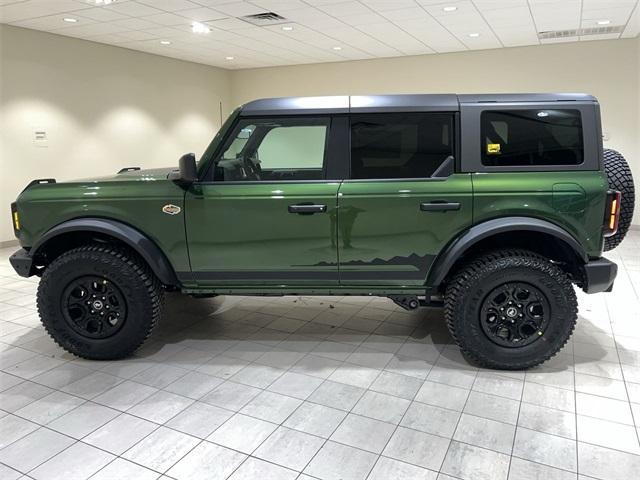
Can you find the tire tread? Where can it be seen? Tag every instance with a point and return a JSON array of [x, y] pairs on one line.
[[115, 255], [471, 271]]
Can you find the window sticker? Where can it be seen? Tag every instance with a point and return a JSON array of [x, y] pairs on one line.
[[493, 148]]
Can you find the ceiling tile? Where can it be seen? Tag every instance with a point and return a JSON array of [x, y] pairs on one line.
[[170, 5], [133, 9], [388, 5], [102, 14], [36, 8], [134, 23], [633, 26], [137, 35], [343, 9], [238, 9], [201, 14], [279, 6], [230, 23], [168, 19], [52, 22], [361, 28], [508, 17]]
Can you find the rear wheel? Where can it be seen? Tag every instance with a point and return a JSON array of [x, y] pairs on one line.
[[619, 178], [510, 309], [99, 301]]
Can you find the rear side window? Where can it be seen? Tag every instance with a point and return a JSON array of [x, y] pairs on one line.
[[404, 145], [531, 137]]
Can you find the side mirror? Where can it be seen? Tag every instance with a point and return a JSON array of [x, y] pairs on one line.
[[187, 171]]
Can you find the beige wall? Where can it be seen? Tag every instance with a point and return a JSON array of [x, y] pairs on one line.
[[103, 108], [610, 70]]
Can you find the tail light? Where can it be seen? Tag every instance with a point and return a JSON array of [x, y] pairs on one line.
[[15, 218], [612, 213]]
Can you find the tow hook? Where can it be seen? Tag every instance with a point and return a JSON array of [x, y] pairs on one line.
[[408, 302]]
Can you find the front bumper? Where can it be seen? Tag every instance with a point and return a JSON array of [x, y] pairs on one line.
[[22, 263], [599, 275]]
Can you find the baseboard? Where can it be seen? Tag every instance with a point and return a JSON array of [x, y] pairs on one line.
[[9, 243]]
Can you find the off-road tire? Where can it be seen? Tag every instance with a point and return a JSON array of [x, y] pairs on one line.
[[619, 178], [140, 288], [472, 283]]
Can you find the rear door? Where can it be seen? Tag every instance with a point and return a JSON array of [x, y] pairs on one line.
[[403, 202], [265, 216]]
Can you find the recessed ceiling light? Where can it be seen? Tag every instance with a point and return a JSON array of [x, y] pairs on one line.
[[337, 48], [287, 28], [450, 9], [197, 27], [604, 22], [70, 20], [103, 2], [474, 35], [229, 58], [165, 42]]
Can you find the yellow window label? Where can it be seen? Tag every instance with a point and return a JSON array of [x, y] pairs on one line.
[[493, 148]]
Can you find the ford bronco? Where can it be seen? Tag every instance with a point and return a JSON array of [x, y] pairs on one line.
[[494, 206]]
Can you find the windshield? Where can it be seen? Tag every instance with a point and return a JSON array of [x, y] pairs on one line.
[[213, 146]]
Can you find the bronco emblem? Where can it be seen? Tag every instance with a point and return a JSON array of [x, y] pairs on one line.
[[171, 209]]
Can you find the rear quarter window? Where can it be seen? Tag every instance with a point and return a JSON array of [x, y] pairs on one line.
[[533, 137]]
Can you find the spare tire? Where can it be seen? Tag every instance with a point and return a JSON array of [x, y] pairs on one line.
[[619, 177]]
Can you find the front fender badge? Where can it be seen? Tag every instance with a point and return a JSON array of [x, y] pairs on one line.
[[171, 209]]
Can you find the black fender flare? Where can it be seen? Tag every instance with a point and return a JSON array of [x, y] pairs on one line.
[[138, 242], [446, 259]]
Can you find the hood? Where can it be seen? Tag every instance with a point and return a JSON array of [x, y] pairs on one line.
[[144, 175]]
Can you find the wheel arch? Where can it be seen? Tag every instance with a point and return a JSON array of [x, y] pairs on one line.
[[81, 230], [535, 234]]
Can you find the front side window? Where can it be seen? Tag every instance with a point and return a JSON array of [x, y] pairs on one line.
[[275, 149], [404, 145], [535, 137]]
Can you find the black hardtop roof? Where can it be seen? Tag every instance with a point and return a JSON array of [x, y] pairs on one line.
[[446, 102]]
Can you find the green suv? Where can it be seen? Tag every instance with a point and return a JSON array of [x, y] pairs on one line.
[[491, 205]]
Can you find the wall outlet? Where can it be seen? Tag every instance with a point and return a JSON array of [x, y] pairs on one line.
[[605, 136]]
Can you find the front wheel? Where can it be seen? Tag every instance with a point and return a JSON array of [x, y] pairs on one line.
[[99, 302], [510, 309]]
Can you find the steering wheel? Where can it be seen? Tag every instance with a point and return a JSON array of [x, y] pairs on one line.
[[253, 168]]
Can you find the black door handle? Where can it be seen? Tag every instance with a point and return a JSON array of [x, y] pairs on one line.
[[439, 206], [307, 208]]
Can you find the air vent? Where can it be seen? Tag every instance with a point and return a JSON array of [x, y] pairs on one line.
[[580, 32], [264, 19]]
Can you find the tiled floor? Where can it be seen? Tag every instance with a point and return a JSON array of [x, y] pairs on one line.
[[328, 388]]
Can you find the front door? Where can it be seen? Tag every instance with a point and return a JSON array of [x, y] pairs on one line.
[[266, 216], [403, 203]]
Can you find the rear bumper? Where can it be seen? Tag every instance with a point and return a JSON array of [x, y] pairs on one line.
[[599, 275], [22, 263]]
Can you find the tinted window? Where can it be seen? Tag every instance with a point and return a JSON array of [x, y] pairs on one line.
[[410, 145], [532, 137], [274, 149]]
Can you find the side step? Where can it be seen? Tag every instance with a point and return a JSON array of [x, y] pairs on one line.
[[408, 302], [411, 302]]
